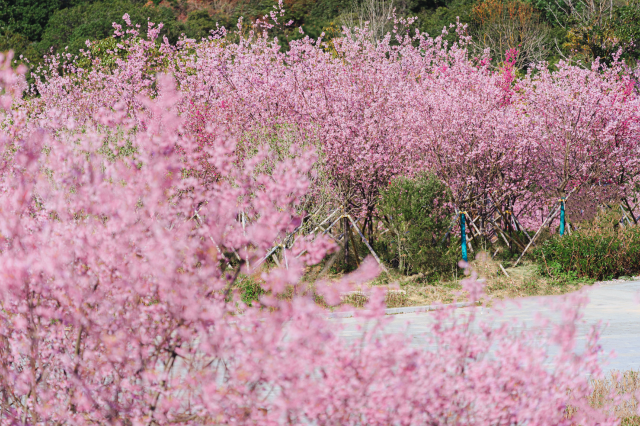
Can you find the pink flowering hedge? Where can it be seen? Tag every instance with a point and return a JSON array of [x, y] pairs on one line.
[[123, 181]]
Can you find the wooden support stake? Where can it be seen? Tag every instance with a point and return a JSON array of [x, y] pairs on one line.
[[505, 236], [330, 263], [521, 227], [275, 259], [345, 226], [635, 220], [325, 220], [331, 226], [549, 219], [624, 214], [504, 219], [503, 270], [364, 240], [353, 244]]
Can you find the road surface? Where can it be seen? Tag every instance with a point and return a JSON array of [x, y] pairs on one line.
[[616, 305]]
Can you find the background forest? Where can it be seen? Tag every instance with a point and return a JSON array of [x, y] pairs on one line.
[[539, 29]]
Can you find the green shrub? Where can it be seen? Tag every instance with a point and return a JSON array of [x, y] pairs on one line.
[[417, 214], [28, 17], [94, 21], [250, 289], [601, 251], [20, 45]]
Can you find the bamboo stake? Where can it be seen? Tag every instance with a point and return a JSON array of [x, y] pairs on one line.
[[504, 219], [345, 226], [624, 214], [330, 263], [503, 270], [635, 220], [269, 253], [504, 236], [324, 232], [364, 240], [497, 228], [467, 240], [274, 248], [331, 226], [549, 219], [521, 227], [353, 244], [474, 225]]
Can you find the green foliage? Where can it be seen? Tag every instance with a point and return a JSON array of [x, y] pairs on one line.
[[417, 214], [596, 40], [20, 45], [600, 251], [433, 21], [199, 24], [627, 28], [326, 10], [34, 27], [28, 17], [630, 421], [94, 21], [250, 289], [106, 51], [592, 30]]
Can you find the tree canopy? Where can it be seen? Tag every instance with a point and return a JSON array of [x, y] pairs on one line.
[[538, 29]]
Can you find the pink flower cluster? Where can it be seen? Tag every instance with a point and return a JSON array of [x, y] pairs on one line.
[[132, 196], [375, 110]]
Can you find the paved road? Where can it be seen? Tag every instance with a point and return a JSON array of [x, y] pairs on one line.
[[617, 305]]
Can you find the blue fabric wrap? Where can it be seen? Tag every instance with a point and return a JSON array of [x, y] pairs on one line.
[[463, 236], [561, 217]]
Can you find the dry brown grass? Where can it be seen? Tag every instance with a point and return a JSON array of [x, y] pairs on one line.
[[394, 298], [522, 281], [624, 387], [625, 384]]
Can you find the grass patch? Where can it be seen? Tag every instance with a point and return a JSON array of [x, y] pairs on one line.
[[394, 298], [617, 384], [601, 250], [250, 288], [622, 384], [527, 279]]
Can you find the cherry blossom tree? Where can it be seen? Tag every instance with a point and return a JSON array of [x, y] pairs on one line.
[[135, 193]]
